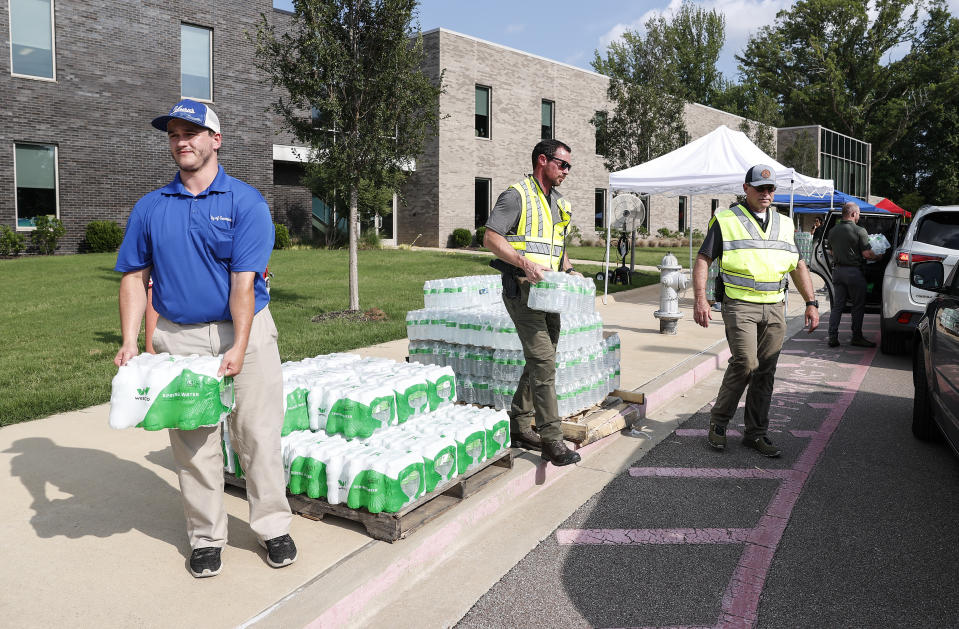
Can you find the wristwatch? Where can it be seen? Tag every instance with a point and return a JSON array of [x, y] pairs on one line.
[[570, 270], [814, 303]]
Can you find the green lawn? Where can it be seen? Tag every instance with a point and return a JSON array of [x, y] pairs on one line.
[[59, 322], [645, 256]]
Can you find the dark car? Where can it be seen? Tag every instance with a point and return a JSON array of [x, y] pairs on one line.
[[935, 356]]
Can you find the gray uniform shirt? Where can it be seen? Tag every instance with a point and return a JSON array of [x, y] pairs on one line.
[[504, 218]]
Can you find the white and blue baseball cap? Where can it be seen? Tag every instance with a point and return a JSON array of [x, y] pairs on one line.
[[191, 111]]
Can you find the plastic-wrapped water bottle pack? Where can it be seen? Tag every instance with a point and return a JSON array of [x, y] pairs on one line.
[[157, 391], [564, 293], [354, 397], [478, 340], [396, 465]]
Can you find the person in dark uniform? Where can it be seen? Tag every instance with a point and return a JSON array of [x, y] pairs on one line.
[[850, 249], [527, 232]]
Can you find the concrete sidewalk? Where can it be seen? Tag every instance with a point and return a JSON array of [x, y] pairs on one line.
[[93, 530]]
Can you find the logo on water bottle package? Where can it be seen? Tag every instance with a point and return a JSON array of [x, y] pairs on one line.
[[142, 394], [143, 391]]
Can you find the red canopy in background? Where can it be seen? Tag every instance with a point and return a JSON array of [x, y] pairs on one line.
[[886, 204]]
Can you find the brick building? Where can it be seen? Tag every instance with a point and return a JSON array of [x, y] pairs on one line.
[[84, 79]]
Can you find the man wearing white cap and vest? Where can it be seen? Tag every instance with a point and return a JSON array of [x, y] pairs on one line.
[[756, 249], [527, 231], [205, 238]]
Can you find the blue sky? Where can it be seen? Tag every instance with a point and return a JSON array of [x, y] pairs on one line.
[[570, 30]]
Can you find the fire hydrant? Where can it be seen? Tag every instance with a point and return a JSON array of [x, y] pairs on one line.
[[672, 280]]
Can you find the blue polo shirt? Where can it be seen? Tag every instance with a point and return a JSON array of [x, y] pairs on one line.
[[194, 242]]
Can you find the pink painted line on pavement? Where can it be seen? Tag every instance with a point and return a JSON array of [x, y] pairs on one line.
[[740, 605], [707, 472], [821, 405], [803, 434], [702, 432], [625, 537]]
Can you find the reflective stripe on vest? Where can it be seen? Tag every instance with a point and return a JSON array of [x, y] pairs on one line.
[[753, 266], [537, 236]]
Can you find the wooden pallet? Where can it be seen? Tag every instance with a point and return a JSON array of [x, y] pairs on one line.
[[619, 411], [390, 527]]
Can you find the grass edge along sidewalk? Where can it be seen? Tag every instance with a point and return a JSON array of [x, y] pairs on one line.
[[61, 325]]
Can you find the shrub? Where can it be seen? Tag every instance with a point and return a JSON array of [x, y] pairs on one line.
[[480, 235], [46, 237], [11, 243], [102, 236], [370, 239], [664, 232], [462, 238], [282, 238], [574, 235]]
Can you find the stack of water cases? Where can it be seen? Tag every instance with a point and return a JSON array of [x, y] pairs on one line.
[[465, 326], [374, 433]]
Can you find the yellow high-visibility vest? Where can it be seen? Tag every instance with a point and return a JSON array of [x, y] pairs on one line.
[[754, 263], [536, 237]]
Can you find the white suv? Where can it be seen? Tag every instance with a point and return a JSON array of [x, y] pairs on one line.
[[932, 235]]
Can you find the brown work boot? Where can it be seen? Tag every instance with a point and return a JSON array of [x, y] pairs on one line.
[[526, 438], [558, 454]]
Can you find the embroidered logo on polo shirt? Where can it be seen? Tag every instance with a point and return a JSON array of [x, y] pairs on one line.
[[221, 218]]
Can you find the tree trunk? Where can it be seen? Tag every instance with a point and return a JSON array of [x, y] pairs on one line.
[[354, 224]]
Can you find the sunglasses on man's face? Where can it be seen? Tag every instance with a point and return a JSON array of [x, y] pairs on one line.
[[766, 188], [563, 164]]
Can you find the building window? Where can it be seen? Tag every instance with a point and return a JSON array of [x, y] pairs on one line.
[[713, 206], [196, 62], [481, 117], [35, 173], [31, 38], [600, 205], [683, 213], [481, 203], [602, 118], [546, 126], [645, 224]]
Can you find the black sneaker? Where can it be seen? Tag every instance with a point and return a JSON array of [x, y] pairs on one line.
[[859, 341], [717, 436], [205, 562], [833, 341], [763, 446], [280, 551]]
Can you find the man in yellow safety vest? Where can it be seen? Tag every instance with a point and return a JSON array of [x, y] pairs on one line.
[[756, 250], [527, 231]]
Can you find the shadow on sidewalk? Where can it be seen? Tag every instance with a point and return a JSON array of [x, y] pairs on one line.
[[107, 495]]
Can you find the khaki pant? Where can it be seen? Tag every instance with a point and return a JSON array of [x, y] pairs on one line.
[[536, 391], [755, 333], [254, 426]]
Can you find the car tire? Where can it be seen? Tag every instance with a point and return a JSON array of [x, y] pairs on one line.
[[891, 342], [923, 424]]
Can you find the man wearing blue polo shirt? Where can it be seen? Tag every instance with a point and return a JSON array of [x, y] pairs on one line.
[[205, 238]]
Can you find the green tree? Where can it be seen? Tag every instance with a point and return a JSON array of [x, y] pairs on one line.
[[352, 89], [826, 62], [923, 165], [696, 37], [647, 119]]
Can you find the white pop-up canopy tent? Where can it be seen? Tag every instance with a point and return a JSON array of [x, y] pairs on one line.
[[716, 164]]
